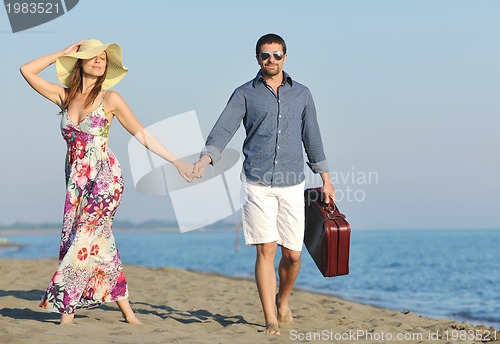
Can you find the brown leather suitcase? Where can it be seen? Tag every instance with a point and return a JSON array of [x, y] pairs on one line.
[[327, 235]]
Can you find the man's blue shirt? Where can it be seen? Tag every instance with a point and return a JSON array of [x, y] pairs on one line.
[[276, 126]]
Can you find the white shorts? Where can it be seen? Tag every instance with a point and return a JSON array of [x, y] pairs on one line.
[[273, 214]]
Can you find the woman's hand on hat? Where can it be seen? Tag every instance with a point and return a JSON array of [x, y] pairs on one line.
[[73, 48]]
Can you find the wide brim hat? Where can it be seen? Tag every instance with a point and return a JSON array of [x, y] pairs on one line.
[[65, 64]]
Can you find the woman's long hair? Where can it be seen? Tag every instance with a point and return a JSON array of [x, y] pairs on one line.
[[76, 85]]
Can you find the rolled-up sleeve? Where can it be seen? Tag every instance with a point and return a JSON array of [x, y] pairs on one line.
[[311, 138], [226, 126]]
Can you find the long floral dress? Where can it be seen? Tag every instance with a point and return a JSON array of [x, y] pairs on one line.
[[90, 268]]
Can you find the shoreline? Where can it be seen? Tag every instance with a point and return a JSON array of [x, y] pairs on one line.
[[380, 303], [198, 307], [385, 301], [471, 321]]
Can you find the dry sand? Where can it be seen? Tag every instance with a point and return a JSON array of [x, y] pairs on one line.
[[180, 306]]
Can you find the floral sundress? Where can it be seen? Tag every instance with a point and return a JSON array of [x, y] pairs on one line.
[[90, 269]]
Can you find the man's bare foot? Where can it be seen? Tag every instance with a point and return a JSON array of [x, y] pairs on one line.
[[284, 313], [66, 319], [272, 329], [132, 319]]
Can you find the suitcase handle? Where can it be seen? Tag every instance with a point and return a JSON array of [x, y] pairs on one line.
[[315, 196], [332, 211]]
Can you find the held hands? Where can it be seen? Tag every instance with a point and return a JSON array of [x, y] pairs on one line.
[[185, 170], [200, 165], [190, 171]]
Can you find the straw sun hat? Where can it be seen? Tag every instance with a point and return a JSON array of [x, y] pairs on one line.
[[91, 48]]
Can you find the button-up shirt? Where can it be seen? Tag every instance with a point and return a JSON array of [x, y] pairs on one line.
[[276, 126]]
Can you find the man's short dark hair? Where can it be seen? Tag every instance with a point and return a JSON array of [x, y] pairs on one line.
[[270, 38]]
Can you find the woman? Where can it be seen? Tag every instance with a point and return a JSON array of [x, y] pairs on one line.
[[90, 268]]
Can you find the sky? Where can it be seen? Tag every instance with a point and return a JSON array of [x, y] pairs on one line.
[[407, 95]]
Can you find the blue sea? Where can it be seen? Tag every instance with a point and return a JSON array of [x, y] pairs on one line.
[[438, 273]]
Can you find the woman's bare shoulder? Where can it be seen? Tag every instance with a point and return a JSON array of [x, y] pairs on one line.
[[113, 101]]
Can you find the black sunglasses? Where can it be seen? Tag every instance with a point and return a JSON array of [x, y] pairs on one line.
[[278, 55]]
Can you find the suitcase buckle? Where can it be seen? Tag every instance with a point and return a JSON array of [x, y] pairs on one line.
[[331, 209]]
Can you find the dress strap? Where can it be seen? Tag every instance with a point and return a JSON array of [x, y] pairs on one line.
[[103, 95]]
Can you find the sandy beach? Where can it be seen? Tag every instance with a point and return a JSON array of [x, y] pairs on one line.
[[178, 306]]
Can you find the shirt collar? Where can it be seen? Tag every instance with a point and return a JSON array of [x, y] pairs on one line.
[[260, 78]]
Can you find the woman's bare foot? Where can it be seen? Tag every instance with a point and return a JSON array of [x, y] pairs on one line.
[[132, 319], [66, 319], [272, 329], [127, 312]]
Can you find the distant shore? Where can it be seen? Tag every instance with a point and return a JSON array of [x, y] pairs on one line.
[[7, 232], [8, 244], [181, 306]]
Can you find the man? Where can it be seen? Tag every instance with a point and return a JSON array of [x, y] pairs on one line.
[[279, 116]]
